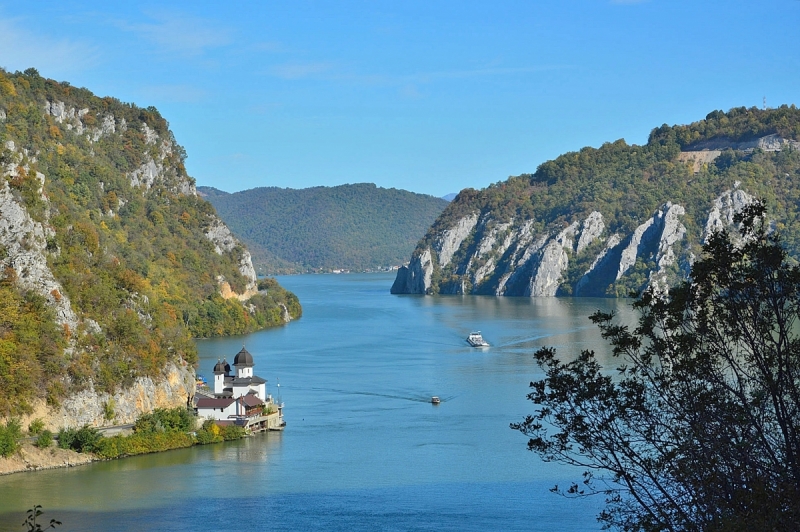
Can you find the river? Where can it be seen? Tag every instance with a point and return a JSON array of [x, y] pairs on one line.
[[364, 449]]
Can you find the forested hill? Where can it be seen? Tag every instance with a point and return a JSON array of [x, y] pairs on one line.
[[608, 220], [109, 261], [352, 227]]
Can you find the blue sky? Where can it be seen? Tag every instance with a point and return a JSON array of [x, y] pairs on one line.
[[429, 96]]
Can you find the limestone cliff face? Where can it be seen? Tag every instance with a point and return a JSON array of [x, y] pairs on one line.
[[416, 277], [156, 169], [25, 243], [172, 388], [224, 242], [615, 219], [16, 226], [512, 258], [118, 260], [723, 210]]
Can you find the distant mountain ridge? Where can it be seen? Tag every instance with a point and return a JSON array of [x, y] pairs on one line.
[[348, 227], [607, 221]]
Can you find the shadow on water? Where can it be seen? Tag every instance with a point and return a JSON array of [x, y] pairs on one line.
[[406, 508]]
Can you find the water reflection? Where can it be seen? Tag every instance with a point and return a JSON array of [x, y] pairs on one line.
[[363, 441]]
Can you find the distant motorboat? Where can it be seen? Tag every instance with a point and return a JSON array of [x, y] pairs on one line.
[[476, 340], [435, 400]]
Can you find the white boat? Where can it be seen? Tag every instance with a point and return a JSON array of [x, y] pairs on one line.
[[476, 340], [435, 400]]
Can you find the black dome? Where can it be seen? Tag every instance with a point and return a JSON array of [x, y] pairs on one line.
[[219, 367], [243, 358]]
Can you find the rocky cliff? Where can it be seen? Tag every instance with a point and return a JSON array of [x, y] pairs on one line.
[[525, 262], [109, 260], [603, 222]]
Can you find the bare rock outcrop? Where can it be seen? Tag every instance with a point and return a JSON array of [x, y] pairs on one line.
[[416, 277], [551, 263], [158, 170], [25, 243], [672, 231], [519, 260], [450, 240], [490, 248], [219, 235], [723, 210], [600, 262], [224, 242], [771, 143], [174, 388], [591, 230], [73, 120], [705, 152]]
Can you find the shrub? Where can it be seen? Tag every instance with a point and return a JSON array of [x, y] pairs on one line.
[[10, 433], [232, 432], [109, 412], [142, 443], [44, 440], [165, 419], [83, 440], [35, 427], [209, 433]]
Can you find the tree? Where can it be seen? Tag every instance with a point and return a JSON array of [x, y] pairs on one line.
[[699, 429]]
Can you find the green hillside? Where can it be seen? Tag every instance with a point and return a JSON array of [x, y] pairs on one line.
[[354, 227], [747, 149], [109, 261]]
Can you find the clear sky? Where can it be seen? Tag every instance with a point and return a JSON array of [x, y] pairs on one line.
[[429, 96]]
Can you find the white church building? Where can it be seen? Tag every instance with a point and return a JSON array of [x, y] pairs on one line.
[[243, 383], [240, 398]]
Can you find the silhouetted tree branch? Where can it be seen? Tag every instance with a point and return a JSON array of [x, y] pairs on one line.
[[698, 428]]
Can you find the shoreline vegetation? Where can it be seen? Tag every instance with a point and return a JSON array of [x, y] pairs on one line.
[[161, 430]]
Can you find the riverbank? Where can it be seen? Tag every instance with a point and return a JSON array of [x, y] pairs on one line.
[[30, 458], [88, 445]]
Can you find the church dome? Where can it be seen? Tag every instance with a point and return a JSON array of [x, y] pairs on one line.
[[219, 367], [243, 358]]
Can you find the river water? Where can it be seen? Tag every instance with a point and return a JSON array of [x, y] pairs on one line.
[[364, 449]]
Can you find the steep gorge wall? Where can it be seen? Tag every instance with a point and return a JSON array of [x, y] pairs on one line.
[[174, 387], [507, 258], [71, 178], [615, 219]]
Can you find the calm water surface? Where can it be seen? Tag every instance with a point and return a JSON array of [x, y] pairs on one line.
[[364, 449]]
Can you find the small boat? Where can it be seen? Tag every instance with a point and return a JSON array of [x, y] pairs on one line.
[[476, 340], [435, 400]]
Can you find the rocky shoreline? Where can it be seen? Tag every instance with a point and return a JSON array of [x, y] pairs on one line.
[[31, 458]]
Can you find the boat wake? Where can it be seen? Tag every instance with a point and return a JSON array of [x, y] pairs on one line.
[[415, 398]]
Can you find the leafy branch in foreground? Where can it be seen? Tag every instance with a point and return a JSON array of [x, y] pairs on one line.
[[700, 427], [30, 521]]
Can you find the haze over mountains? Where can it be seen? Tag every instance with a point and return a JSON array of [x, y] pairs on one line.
[[349, 227]]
